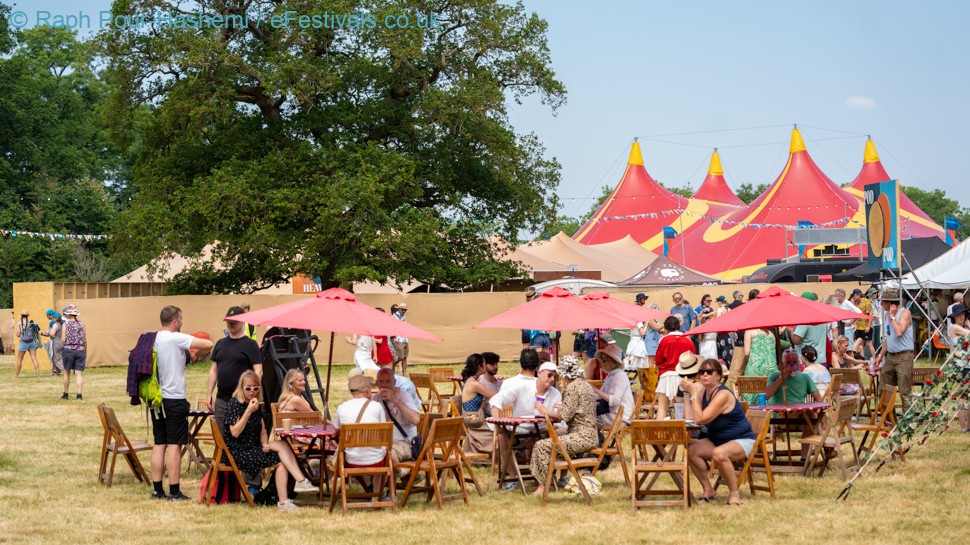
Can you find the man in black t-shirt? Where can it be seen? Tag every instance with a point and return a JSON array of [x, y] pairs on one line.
[[231, 357]]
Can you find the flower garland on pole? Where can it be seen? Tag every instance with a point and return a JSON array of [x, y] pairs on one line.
[[931, 411]]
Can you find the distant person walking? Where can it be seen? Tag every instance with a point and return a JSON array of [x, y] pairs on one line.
[[27, 331], [401, 347], [75, 351], [55, 346]]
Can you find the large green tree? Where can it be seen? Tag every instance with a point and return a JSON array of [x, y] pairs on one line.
[[56, 154], [938, 206], [349, 153]]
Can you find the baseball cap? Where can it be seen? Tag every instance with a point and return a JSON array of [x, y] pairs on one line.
[[721, 299], [548, 366], [233, 311], [608, 338], [857, 291], [641, 296], [809, 295]]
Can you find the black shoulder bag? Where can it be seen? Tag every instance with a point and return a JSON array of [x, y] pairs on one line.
[[415, 441]]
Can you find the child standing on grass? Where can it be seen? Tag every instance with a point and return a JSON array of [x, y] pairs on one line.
[[75, 351]]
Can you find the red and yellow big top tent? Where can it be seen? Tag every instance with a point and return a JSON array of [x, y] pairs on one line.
[[913, 222], [715, 188], [738, 243], [641, 207]]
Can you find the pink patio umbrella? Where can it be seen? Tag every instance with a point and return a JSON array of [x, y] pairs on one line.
[[634, 313]]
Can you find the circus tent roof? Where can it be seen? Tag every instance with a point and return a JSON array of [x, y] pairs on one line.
[[736, 244], [914, 222], [715, 188], [628, 249], [665, 272], [638, 206], [564, 251]]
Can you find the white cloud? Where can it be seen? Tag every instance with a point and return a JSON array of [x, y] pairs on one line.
[[860, 103]]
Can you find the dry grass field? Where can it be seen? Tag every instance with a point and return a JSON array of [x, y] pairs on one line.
[[49, 494]]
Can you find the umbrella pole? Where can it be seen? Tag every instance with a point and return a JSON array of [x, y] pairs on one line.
[[784, 393], [329, 367], [558, 334]]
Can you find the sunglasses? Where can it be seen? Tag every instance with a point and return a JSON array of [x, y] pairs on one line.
[[706, 372], [251, 388]]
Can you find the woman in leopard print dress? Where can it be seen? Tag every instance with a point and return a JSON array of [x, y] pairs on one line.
[[577, 411]]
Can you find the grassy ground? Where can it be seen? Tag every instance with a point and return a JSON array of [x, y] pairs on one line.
[[49, 494]]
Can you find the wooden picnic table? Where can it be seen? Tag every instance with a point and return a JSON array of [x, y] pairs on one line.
[[319, 436], [508, 425], [787, 415]]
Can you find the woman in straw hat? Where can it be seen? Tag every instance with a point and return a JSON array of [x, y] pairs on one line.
[[75, 350]]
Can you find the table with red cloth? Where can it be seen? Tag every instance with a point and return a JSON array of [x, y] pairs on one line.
[[784, 417], [508, 425], [321, 442]]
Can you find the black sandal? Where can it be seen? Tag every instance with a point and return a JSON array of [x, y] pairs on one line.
[[705, 499]]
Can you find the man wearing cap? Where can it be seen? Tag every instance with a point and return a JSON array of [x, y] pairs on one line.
[[522, 396], [401, 343], [641, 299], [232, 356], [811, 335], [862, 337], [896, 353]]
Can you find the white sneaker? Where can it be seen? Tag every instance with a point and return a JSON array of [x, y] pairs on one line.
[[288, 505], [306, 486]]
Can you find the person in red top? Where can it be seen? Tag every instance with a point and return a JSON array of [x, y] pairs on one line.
[[383, 349], [669, 350]]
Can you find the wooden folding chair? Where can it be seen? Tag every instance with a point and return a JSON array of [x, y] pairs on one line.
[[222, 453], [836, 431], [921, 375], [641, 404], [116, 442], [669, 439], [831, 395], [853, 377], [426, 391], [883, 419], [750, 385], [758, 459], [441, 381], [613, 446], [565, 464], [444, 437], [647, 378], [376, 435], [467, 457], [505, 412]]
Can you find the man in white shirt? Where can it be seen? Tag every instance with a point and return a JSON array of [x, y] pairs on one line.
[[524, 395], [170, 425], [361, 409], [488, 378], [845, 304], [401, 407]]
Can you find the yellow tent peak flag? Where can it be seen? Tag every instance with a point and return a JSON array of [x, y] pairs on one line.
[[797, 144], [871, 155], [636, 158], [715, 169]]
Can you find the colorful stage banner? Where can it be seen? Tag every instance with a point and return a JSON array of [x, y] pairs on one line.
[[882, 220]]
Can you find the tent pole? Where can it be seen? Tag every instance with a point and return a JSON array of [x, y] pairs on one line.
[[329, 367]]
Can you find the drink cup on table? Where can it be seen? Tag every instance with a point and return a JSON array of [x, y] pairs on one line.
[[678, 411], [762, 400], [540, 399]]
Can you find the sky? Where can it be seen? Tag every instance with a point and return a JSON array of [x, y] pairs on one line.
[[685, 76]]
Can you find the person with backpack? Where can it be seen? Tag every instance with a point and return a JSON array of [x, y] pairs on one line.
[[75, 351], [170, 425], [28, 332], [55, 346]]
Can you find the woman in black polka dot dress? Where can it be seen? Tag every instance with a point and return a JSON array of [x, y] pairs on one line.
[[247, 441]]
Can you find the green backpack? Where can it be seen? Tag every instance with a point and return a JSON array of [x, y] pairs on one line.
[[148, 389]]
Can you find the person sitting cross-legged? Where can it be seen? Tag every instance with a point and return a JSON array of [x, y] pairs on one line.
[[729, 435]]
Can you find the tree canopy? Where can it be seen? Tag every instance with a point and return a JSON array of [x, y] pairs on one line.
[[56, 156], [345, 153]]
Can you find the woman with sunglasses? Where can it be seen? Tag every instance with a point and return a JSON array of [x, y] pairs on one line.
[[729, 435], [249, 445]]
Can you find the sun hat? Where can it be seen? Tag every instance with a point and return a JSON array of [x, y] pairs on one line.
[[613, 352], [25, 312], [958, 309], [548, 366], [71, 310], [570, 368], [233, 311], [809, 295], [688, 364], [890, 294]]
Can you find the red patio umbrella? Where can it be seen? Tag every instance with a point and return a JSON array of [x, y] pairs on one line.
[[772, 308], [334, 310], [632, 312], [556, 310]]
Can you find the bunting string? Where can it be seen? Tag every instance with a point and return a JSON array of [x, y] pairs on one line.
[[51, 236], [718, 219]]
